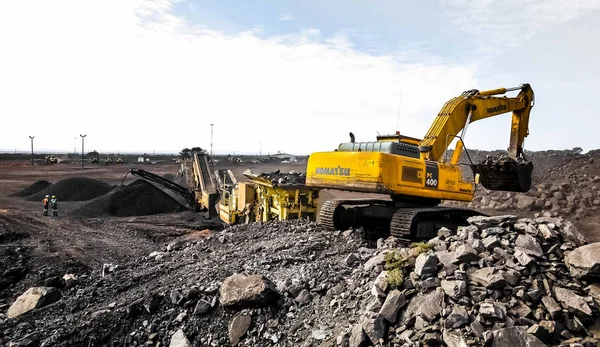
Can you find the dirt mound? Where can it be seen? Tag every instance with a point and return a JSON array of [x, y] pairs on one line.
[[140, 198], [32, 189], [73, 189]]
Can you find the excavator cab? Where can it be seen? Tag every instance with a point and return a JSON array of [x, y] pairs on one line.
[[503, 173]]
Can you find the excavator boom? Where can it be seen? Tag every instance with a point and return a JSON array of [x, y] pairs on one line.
[[508, 173], [472, 106]]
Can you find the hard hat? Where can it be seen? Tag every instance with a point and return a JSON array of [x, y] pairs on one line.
[[53, 196], [47, 196]]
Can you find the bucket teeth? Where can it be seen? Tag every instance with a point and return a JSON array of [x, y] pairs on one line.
[[504, 174]]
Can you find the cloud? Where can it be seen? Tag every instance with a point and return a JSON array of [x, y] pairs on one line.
[[285, 17], [133, 76], [497, 26]]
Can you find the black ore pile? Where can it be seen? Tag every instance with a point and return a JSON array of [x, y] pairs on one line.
[[140, 198], [32, 189], [290, 178], [73, 189]]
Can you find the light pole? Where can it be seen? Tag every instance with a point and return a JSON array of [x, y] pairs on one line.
[[82, 148], [75, 145], [211, 139], [260, 149], [31, 137]]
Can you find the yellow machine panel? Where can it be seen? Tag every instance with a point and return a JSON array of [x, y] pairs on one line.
[[384, 173], [245, 194]]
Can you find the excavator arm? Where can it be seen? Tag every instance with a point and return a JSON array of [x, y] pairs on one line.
[[510, 173], [472, 106]]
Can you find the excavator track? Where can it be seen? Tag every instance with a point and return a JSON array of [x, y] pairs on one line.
[[402, 223], [408, 223]]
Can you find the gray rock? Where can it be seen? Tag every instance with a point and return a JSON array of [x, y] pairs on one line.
[[238, 326], [529, 245], [319, 334], [377, 292], [393, 303], [202, 307], [512, 277], [514, 336], [490, 242], [458, 318], [431, 282], [465, 253], [428, 306], [33, 298], [447, 259], [351, 259], [483, 222], [179, 340], [477, 328], [572, 301], [243, 290], [454, 289], [525, 202], [490, 310], [374, 305], [546, 232], [377, 260], [584, 261], [374, 326], [445, 232], [426, 265], [304, 297], [454, 339], [551, 306], [522, 310], [540, 332], [570, 232], [478, 245], [489, 277], [523, 258], [358, 338], [382, 281]]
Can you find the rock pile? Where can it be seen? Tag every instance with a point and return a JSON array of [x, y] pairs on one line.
[[565, 183], [290, 178], [139, 198], [32, 189], [73, 189], [501, 281], [552, 199]]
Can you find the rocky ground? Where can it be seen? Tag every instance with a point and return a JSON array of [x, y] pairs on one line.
[[564, 183], [525, 276], [500, 281]]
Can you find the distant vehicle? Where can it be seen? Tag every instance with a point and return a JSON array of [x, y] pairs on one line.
[[109, 161], [95, 160], [286, 162], [119, 160], [51, 160]]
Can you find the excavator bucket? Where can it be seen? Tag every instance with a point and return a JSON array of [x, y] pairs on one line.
[[504, 173]]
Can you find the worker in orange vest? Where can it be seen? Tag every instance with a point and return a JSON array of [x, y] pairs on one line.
[[46, 202]]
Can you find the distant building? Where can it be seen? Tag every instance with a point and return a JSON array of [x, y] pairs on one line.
[[283, 157]]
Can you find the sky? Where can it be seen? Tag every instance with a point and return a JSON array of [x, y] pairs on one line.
[[289, 76]]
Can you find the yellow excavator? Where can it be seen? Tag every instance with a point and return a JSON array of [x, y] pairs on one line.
[[417, 174]]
